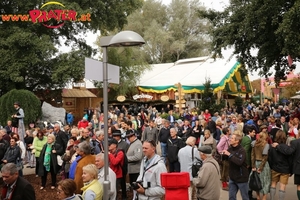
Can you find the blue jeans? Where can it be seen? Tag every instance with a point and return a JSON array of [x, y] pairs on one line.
[[234, 187], [163, 147]]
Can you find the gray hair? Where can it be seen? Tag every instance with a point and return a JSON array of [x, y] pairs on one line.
[[100, 155], [9, 167], [85, 147], [98, 133], [4, 130], [191, 141]]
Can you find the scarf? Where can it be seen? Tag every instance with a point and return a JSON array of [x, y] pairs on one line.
[[47, 157]]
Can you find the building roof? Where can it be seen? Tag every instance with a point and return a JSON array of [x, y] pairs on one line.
[[224, 74], [78, 93]]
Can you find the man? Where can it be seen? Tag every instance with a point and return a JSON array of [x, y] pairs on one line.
[[163, 137], [246, 144], [121, 143], [233, 124], [99, 162], [5, 136], [116, 160], [186, 161], [98, 143], [293, 149], [171, 118], [184, 131], [238, 172], [150, 132], [207, 182], [223, 145], [70, 118], [149, 185], [284, 125], [134, 156], [206, 115], [18, 117], [85, 137], [174, 143], [16, 187], [8, 127], [3, 145], [211, 126], [84, 151], [60, 136]]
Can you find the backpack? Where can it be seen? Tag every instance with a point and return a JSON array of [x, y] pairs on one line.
[[125, 162]]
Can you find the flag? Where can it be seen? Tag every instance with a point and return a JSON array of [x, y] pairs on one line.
[[290, 60]]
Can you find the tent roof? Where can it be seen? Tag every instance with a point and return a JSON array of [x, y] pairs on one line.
[[192, 74], [77, 93]]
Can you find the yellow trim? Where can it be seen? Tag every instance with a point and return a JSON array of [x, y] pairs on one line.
[[52, 2], [156, 91], [194, 90]]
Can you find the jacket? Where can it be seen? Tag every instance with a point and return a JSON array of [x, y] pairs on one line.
[[38, 145], [134, 156], [208, 176], [115, 161], [151, 175], [53, 159], [293, 149], [164, 134], [238, 171], [211, 142], [123, 145], [61, 139], [112, 180], [83, 161], [23, 190], [246, 144], [150, 134], [173, 146], [223, 144], [3, 147], [95, 187], [280, 162], [12, 154], [185, 159]]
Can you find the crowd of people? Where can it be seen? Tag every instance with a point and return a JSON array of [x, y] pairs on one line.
[[231, 145]]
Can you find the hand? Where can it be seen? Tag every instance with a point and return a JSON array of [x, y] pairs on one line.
[[275, 144], [225, 152], [254, 169], [4, 161], [53, 151], [258, 171], [140, 190]]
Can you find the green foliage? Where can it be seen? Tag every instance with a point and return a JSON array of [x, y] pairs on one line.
[[29, 103], [166, 115], [208, 100], [269, 27], [171, 32], [238, 101], [30, 53]]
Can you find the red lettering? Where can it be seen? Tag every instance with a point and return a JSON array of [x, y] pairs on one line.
[[52, 15], [58, 13], [24, 18], [34, 15], [5, 18], [14, 18], [72, 15], [43, 17], [64, 15]]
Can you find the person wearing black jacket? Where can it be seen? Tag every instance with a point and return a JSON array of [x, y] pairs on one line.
[[3, 146], [174, 143], [185, 131], [60, 137], [163, 137], [238, 172], [281, 167]]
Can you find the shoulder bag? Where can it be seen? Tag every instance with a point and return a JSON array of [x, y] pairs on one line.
[[196, 165]]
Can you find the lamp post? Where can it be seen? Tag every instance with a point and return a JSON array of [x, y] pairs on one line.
[[122, 39]]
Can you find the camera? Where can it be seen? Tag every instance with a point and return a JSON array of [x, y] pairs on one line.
[[135, 185]]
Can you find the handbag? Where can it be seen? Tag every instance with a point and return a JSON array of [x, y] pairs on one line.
[[196, 165], [254, 181], [218, 157], [59, 160]]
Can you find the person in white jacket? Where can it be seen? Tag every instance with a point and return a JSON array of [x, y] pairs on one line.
[[152, 166]]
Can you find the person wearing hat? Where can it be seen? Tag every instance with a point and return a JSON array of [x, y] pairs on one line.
[[121, 143], [116, 160], [18, 117], [208, 176], [134, 157]]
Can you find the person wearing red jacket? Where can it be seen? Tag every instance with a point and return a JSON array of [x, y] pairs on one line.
[[116, 160], [83, 123]]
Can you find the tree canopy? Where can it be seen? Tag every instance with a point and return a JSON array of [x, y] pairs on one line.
[[30, 56], [262, 33]]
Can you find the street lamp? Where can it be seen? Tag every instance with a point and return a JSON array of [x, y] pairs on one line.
[[122, 39]]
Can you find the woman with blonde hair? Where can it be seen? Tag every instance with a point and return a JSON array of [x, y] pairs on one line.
[[259, 159], [92, 189], [209, 140]]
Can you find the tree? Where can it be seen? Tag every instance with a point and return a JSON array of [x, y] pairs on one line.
[[269, 27], [171, 32], [29, 103], [30, 57]]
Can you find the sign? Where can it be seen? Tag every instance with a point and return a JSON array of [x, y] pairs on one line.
[[164, 98], [94, 71], [121, 98], [142, 96], [52, 15]]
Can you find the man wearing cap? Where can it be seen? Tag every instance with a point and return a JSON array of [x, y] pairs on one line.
[[116, 161], [121, 143], [19, 117], [134, 156], [207, 181]]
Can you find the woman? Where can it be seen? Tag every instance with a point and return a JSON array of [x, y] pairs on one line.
[[95, 122], [13, 155], [196, 131], [280, 167], [66, 190], [92, 189], [38, 143], [68, 155], [292, 132], [209, 140], [48, 161], [20, 144], [219, 132], [259, 157], [28, 143]]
